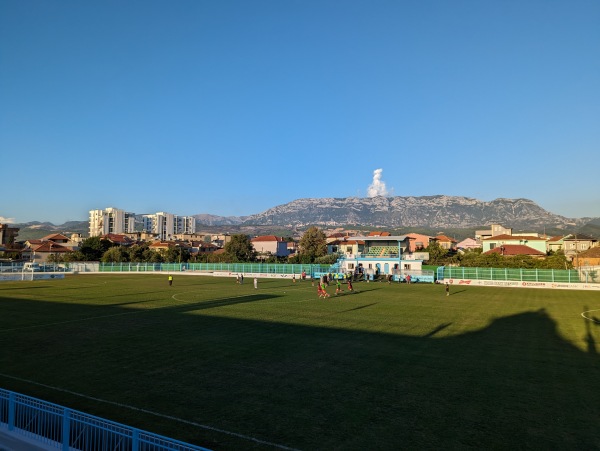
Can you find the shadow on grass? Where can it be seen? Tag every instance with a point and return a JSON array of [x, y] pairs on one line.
[[513, 384]]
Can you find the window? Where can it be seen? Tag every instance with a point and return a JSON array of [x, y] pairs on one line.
[[350, 265]]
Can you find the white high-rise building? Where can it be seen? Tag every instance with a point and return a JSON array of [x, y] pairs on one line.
[[167, 225], [111, 220]]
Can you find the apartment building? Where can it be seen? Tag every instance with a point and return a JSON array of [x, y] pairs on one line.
[[111, 220], [166, 225]]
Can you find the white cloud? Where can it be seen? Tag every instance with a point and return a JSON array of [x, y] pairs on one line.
[[377, 187], [4, 220]]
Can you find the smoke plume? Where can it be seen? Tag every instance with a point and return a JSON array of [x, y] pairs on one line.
[[377, 187]]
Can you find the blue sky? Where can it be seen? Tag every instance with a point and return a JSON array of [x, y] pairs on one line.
[[233, 107]]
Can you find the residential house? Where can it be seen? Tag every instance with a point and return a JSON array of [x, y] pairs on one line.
[[577, 243], [205, 248], [588, 258], [418, 241], [512, 250], [41, 252], [494, 230], [120, 239], [468, 243], [534, 242], [445, 242], [346, 245], [556, 243], [161, 245], [270, 245]]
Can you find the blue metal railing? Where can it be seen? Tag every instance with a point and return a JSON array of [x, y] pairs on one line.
[[63, 428]]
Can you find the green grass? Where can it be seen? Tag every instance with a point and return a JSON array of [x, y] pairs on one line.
[[389, 367]]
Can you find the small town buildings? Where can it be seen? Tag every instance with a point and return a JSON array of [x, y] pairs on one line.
[[270, 245], [40, 252], [512, 250], [577, 243], [588, 258], [8, 236], [534, 242], [120, 239], [418, 241], [382, 255], [467, 244], [445, 242], [556, 243], [494, 230]]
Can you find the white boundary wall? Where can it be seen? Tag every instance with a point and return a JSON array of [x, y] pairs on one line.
[[523, 284], [260, 275], [32, 276]]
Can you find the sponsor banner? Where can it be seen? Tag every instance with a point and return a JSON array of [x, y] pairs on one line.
[[260, 275], [30, 276], [525, 284]]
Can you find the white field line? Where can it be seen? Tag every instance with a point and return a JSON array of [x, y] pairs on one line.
[[590, 319], [126, 406], [150, 412]]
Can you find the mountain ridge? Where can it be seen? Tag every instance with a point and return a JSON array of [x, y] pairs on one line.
[[392, 212], [437, 211]]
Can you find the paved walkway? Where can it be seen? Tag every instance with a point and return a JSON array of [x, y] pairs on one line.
[[11, 441]]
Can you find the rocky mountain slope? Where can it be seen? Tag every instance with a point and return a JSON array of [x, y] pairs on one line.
[[425, 211], [428, 212]]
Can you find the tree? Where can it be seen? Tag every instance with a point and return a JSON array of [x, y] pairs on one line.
[[239, 249], [436, 253], [93, 248], [177, 254], [313, 244], [115, 254], [136, 252]]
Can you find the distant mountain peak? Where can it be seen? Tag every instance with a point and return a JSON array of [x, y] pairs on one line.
[[436, 211]]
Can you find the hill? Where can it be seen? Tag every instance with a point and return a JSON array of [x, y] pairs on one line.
[[435, 212]]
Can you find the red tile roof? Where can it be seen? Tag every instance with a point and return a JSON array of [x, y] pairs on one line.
[[515, 249], [117, 238], [592, 252], [49, 246], [55, 237]]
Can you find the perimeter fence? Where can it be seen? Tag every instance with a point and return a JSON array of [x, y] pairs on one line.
[[519, 274], [241, 268], [58, 427]]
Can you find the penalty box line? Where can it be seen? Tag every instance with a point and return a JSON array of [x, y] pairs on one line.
[[150, 412]]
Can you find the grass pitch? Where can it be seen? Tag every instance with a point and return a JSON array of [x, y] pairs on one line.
[[389, 367]]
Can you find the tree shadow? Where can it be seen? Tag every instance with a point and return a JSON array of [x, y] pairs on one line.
[[513, 384]]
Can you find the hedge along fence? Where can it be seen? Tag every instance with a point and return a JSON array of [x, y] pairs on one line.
[[519, 274], [269, 268]]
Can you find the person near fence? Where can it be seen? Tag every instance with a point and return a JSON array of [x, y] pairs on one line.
[[170, 280]]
